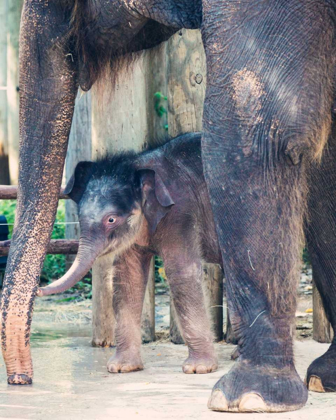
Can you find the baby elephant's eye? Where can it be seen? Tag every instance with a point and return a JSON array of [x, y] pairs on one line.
[[111, 220]]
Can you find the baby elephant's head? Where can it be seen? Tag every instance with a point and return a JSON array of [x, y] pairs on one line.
[[108, 195], [114, 196]]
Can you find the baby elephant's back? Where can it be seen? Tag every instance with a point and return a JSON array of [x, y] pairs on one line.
[[182, 162]]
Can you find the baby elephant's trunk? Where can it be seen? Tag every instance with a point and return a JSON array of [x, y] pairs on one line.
[[84, 260]]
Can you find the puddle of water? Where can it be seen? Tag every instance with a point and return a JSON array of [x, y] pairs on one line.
[[60, 336]]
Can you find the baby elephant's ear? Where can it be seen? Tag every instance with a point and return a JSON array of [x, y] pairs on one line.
[[78, 182], [156, 199]]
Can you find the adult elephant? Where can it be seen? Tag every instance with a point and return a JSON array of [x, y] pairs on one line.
[[267, 118]]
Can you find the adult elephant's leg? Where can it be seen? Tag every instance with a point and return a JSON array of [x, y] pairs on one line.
[[321, 237], [47, 89], [266, 113], [259, 224]]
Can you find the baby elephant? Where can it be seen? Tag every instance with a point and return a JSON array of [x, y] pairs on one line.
[[136, 206]]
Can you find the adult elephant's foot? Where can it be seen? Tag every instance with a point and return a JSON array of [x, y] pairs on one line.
[[252, 388], [19, 379], [321, 374], [125, 362], [16, 354], [200, 364]]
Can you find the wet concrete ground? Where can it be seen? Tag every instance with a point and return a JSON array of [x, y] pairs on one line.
[[71, 380]]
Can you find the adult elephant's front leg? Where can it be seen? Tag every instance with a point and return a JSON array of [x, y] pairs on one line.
[[47, 88], [259, 218], [266, 115]]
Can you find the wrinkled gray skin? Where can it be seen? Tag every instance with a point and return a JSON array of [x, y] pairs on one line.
[[268, 114], [136, 207]]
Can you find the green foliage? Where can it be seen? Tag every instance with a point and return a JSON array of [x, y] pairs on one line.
[[83, 287], [54, 266], [305, 257], [159, 107], [68, 299], [160, 275], [7, 208]]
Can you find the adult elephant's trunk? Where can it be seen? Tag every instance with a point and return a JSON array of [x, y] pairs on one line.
[[84, 260], [47, 94]]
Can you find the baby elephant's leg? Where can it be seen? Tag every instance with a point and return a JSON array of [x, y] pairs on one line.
[[185, 280], [130, 280]]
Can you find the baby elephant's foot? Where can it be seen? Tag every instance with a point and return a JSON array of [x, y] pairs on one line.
[[201, 364], [124, 362]]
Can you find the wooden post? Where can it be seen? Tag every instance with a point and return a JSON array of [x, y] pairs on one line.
[[9, 192], [13, 28], [4, 170], [322, 330], [79, 149], [186, 68], [186, 82], [56, 246], [156, 81]]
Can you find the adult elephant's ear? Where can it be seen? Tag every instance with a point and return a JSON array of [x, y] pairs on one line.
[[78, 182], [156, 199]]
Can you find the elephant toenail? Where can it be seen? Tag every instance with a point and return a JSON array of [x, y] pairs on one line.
[[19, 379], [188, 369], [315, 384], [217, 401], [252, 403], [201, 369]]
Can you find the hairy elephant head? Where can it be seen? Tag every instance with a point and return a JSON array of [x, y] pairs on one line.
[[114, 196]]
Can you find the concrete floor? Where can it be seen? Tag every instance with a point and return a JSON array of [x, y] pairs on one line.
[[71, 382]]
